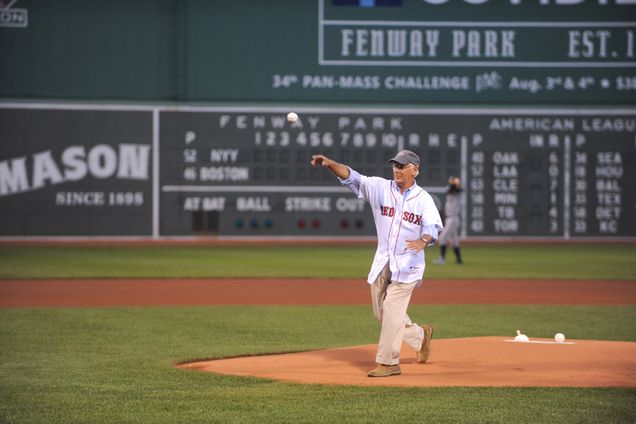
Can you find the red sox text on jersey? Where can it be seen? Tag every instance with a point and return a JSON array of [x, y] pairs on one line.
[[406, 216]]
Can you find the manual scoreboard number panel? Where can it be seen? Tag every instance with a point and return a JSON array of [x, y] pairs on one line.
[[527, 173]]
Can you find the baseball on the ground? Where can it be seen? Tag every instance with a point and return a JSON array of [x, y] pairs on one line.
[[292, 117], [559, 338]]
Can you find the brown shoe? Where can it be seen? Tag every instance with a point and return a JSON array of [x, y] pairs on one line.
[[385, 371], [425, 350]]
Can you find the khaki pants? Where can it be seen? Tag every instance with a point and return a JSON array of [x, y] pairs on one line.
[[390, 301]]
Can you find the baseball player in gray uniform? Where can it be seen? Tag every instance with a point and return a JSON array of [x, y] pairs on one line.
[[406, 221], [452, 222]]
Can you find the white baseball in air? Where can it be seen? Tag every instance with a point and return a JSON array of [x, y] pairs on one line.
[[292, 117], [521, 337], [559, 338]]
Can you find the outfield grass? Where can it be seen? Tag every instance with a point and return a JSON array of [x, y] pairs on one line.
[[591, 261], [116, 365]]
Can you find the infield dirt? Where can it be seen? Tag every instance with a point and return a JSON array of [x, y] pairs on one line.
[[267, 291], [464, 362]]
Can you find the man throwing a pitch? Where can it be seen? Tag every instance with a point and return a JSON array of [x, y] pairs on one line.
[[406, 221]]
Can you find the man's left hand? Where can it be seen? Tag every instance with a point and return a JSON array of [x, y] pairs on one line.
[[416, 244]]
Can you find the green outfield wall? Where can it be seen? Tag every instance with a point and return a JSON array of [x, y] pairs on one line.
[[454, 51], [167, 118]]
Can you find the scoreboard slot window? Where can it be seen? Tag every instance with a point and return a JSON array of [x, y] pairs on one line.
[[452, 157], [257, 155], [205, 222], [537, 192], [283, 174], [302, 173], [302, 156], [536, 163], [433, 173], [370, 171], [433, 157], [536, 221]]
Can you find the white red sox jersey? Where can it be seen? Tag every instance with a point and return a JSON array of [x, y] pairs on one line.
[[399, 217]]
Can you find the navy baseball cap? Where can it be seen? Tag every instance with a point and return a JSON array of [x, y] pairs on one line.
[[404, 157]]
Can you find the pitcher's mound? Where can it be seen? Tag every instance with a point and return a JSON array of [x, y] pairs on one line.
[[474, 361]]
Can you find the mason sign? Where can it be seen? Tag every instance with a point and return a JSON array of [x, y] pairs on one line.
[[102, 161]]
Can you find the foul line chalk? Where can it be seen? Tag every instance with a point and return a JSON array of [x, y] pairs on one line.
[[540, 342]]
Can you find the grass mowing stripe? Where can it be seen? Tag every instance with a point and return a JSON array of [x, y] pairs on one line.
[[559, 261], [104, 365]]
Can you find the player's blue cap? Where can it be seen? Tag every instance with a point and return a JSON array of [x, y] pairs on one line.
[[404, 157]]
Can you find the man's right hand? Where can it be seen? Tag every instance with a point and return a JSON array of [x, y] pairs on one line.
[[321, 160], [338, 169]]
